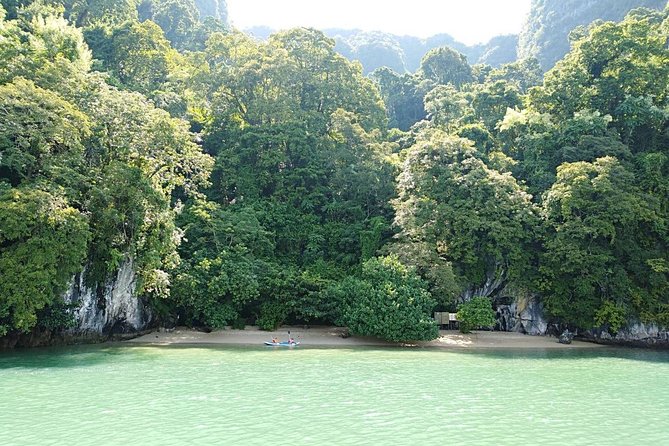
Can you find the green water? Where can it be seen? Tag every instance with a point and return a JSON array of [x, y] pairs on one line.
[[124, 395]]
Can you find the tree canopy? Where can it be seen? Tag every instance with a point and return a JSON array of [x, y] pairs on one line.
[[272, 182]]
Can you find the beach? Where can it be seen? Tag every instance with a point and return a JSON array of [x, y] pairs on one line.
[[336, 337]]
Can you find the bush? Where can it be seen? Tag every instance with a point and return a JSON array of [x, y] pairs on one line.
[[239, 323], [611, 316], [476, 313], [388, 301], [272, 315]]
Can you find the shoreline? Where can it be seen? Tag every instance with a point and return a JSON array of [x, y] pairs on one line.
[[334, 337]]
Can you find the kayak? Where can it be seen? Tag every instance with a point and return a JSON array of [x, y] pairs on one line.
[[282, 344]]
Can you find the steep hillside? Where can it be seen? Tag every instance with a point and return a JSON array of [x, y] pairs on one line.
[[545, 34], [499, 50], [217, 9], [403, 53]]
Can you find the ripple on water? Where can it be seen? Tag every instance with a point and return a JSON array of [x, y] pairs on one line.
[[163, 396]]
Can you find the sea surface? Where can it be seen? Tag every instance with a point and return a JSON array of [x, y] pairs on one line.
[[253, 395]]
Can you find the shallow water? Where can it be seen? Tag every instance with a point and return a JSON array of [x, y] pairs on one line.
[[137, 395]]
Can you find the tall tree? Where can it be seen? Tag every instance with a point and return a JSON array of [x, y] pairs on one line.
[[617, 69], [297, 133], [403, 96], [87, 174], [475, 218], [85, 13], [140, 56], [606, 255], [177, 18], [446, 66]]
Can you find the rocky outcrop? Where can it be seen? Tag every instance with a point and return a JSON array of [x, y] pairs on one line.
[[109, 309], [499, 50], [637, 334], [524, 315], [102, 313]]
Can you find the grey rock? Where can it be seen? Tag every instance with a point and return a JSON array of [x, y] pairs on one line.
[[566, 337], [112, 308], [524, 315], [634, 334]]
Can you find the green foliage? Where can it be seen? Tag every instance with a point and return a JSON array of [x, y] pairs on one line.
[[608, 214], [610, 316], [177, 18], [475, 313], [220, 270], [36, 43], [474, 218], [40, 133], [139, 56], [446, 66], [524, 73], [599, 148], [301, 164], [307, 181], [552, 24], [87, 175], [213, 291], [56, 316], [307, 154], [403, 97], [85, 13], [491, 102], [272, 315], [42, 245], [388, 301], [613, 69], [542, 144], [446, 107], [442, 282], [604, 233]]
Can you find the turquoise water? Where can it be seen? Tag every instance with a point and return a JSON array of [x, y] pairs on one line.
[[136, 395]]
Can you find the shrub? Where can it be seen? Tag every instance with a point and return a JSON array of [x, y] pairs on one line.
[[272, 315], [476, 313], [388, 301], [610, 315]]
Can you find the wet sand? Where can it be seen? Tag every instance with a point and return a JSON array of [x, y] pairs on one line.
[[335, 337]]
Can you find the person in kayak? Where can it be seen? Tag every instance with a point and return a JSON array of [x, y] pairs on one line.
[[275, 340]]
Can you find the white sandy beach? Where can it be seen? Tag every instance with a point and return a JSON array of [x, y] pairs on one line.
[[332, 337]]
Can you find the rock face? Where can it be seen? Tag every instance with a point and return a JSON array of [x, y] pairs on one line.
[[109, 309], [636, 334], [495, 284], [524, 315]]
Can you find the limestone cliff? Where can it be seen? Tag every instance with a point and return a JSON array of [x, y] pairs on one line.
[[545, 34], [109, 309]]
